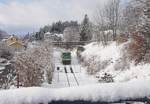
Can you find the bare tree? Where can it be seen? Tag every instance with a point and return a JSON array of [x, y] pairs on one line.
[[107, 18], [112, 12]]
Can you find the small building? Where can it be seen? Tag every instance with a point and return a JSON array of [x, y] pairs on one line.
[[53, 36], [14, 42], [71, 34]]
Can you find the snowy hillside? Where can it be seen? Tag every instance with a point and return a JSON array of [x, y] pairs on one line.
[[109, 59]]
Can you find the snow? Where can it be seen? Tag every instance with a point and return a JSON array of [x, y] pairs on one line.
[[2, 68], [102, 52], [62, 79], [59, 35], [135, 72], [110, 60], [99, 92]]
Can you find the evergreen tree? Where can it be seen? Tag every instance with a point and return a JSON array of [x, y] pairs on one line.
[[85, 32]]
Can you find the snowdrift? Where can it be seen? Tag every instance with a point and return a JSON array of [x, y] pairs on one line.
[[99, 92], [110, 59]]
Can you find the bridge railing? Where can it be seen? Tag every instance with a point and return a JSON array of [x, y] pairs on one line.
[[71, 43]]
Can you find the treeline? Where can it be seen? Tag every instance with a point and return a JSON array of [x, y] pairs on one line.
[[56, 27], [83, 30]]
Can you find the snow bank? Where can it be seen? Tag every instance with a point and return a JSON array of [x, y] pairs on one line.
[[102, 52], [110, 59], [100, 92], [141, 71]]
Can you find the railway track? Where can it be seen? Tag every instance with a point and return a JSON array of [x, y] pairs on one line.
[[74, 75], [67, 76], [70, 75]]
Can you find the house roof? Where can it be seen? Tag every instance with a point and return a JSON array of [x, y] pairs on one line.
[[16, 42]]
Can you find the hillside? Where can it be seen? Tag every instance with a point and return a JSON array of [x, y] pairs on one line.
[[112, 59], [3, 34]]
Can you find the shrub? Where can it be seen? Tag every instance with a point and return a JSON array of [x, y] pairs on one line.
[[121, 39], [136, 48], [28, 72], [35, 65], [6, 51]]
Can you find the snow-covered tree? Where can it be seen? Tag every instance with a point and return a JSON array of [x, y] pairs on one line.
[[112, 15], [43, 55], [86, 29], [137, 24], [107, 21], [34, 65], [28, 72]]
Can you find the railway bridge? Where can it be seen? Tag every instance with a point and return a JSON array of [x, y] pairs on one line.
[[71, 43]]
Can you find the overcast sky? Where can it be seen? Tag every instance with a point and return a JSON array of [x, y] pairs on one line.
[[21, 16]]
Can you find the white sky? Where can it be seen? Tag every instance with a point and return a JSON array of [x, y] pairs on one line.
[[20, 16]]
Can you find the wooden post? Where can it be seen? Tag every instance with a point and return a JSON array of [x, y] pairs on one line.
[[17, 80], [58, 73]]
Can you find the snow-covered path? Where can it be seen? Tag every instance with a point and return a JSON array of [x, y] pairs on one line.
[[69, 75]]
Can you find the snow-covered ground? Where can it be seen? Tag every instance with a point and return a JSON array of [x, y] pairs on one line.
[[109, 59], [62, 79], [98, 92], [78, 85]]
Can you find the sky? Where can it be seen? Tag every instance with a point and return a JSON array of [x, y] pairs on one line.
[[23, 16]]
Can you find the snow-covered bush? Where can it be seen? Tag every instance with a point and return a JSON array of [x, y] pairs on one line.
[[6, 51], [98, 57], [29, 73], [121, 39], [35, 65], [91, 65], [43, 55], [7, 75], [137, 49], [106, 78]]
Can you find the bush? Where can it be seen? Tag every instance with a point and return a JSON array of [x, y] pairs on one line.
[[137, 49], [35, 65], [28, 72], [121, 39], [7, 76], [6, 51]]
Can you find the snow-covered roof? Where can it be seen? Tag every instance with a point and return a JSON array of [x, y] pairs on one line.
[[2, 68], [12, 36], [99, 92], [15, 43], [59, 35], [47, 33]]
